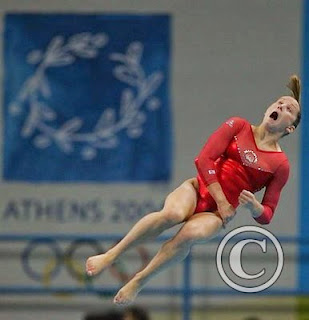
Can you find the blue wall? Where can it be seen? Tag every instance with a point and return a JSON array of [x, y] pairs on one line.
[[304, 158]]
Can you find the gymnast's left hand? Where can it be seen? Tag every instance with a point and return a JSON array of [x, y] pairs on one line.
[[248, 200]]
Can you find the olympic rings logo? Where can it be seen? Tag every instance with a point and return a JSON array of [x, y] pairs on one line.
[[57, 258]]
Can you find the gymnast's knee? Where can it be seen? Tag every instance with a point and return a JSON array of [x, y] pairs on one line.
[[196, 232], [173, 215]]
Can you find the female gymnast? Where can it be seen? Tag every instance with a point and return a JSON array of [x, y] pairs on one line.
[[237, 160]]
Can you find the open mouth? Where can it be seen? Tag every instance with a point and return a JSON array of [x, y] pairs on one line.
[[274, 115]]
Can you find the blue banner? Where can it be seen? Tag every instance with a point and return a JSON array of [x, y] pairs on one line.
[[304, 173], [86, 98]]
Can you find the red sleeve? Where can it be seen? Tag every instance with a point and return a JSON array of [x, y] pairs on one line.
[[272, 193], [215, 147]]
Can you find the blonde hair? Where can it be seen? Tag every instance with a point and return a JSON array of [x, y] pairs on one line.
[[294, 86]]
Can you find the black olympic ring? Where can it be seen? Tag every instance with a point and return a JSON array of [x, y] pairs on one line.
[[67, 258], [69, 254]]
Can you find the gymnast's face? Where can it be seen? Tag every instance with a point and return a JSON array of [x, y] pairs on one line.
[[280, 116]]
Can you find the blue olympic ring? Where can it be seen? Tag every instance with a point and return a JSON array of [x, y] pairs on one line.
[[31, 247]]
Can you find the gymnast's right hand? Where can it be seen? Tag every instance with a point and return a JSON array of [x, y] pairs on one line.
[[227, 212]]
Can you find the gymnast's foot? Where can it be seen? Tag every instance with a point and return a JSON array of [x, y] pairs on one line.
[[96, 264], [128, 293]]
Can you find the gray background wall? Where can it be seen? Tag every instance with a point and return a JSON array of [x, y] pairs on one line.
[[229, 58]]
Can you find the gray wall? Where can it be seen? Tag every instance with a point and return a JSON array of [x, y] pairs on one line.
[[229, 58]]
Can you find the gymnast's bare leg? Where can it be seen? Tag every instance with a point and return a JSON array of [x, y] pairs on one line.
[[198, 229], [178, 207]]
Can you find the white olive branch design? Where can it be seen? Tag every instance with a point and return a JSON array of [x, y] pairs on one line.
[[36, 91]]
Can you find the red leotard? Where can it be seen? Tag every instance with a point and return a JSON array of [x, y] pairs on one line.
[[232, 158]]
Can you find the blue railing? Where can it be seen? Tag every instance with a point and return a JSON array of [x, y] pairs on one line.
[[186, 291]]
